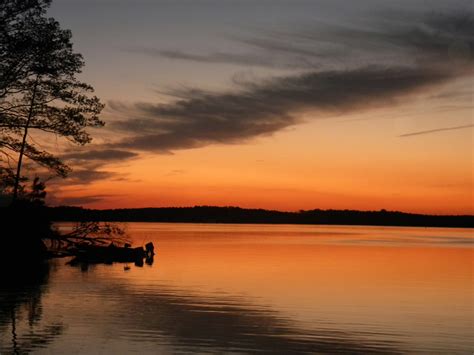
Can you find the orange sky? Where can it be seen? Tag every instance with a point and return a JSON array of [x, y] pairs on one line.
[[360, 164], [353, 157]]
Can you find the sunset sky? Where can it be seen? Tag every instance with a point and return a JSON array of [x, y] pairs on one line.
[[278, 104]]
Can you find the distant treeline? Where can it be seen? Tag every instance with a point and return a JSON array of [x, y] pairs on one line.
[[206, 214]]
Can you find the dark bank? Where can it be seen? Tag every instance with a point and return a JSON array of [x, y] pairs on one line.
[[210, 214]]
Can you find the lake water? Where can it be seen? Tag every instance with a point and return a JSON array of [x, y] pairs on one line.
[[254, 288]]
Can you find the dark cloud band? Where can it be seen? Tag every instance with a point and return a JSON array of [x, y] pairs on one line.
[[264, 108], [106, 155], [430, 51]]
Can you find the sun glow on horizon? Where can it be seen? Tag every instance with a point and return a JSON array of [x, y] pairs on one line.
[[203, 112]]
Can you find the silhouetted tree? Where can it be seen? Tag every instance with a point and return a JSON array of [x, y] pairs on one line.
[[39, 91], [17, 19], [38, 86]]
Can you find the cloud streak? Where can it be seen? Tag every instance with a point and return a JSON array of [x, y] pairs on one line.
[[89, 165], [424, 54], [436, 130], [246, 59], [404, 36], [79, 201], [106, 155], [263, 108]]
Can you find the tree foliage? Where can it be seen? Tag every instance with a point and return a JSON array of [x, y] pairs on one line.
[[18, 19], [39, 90]]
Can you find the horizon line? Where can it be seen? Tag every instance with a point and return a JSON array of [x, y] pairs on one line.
[[382, 210]]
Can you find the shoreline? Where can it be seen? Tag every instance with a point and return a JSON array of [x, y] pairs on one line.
[[236, 215]]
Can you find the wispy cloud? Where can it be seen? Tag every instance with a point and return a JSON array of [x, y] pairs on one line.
[[424, 53], [90, 175], [388, 38], [79, 200], [176, 172], [105, 155], [264, 108], [245, 59], [90, 166], [436, 130]]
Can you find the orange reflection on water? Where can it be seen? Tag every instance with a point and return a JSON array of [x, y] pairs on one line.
[[406, 288], [326, 277]]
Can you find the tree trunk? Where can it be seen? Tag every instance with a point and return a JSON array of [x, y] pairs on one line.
[[23, 143]]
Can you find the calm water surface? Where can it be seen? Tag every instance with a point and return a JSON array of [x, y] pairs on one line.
[[254, 288]]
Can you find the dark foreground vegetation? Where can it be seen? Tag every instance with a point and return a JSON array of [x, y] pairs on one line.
[[206, 214], [40, 95], [24, 228], [28, 236]]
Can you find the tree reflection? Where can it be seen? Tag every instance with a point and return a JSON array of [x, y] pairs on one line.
[[22, 328]]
